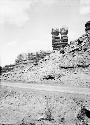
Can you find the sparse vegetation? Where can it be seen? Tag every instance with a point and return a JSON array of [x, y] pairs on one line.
[[25, 107], [69, 66], [54, 66]]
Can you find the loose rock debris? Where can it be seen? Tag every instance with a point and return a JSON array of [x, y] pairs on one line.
[[68, 66]]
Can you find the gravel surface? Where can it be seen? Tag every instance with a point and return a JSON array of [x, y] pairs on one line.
[[48, 87], [27, 106]]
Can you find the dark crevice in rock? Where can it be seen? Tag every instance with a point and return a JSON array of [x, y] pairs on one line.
[[49, 77], [67, 67], [83, 113], [87, 112], [72, 67], [84, 66]]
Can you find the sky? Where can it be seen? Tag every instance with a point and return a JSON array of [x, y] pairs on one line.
[[25, 25]]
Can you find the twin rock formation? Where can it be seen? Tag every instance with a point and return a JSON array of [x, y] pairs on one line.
[[60, 37]]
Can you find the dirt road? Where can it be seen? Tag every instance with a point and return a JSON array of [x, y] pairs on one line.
[[52, 88]]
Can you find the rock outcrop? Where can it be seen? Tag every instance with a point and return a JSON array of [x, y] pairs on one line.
[[59, 38], [67, 67], [71, 68]]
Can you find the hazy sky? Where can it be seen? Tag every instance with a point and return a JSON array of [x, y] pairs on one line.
[[25, 25]]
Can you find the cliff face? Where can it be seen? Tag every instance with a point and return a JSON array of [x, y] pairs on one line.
[[70, 68]]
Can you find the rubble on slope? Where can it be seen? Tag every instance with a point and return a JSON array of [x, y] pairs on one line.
[[68, 68]]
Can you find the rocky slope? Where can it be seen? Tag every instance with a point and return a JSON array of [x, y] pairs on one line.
[[69, 67]]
